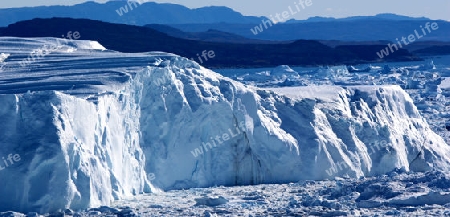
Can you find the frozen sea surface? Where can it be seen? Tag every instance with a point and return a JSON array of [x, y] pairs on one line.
[[395, 194]]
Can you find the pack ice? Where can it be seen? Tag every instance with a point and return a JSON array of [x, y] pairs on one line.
[[91, 124]]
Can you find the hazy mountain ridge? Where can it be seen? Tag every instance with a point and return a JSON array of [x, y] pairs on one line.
[[146, 13], [357, 28], [383, 16]]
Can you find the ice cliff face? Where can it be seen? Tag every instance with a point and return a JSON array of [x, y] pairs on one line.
[[78, 146], [282, 135], [90, 126], [74, 153]]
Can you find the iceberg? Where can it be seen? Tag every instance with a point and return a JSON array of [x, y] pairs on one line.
[[91, 125]]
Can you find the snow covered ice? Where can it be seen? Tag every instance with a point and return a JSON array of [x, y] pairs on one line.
[[91, 124]]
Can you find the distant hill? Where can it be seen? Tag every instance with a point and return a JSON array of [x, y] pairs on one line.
[[127, 38], [385, 16], [434, 50], [420, 48], [349, 29], [131, 13], [211, 35]]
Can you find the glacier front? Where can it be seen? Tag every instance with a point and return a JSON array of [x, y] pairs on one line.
[[92, 126]]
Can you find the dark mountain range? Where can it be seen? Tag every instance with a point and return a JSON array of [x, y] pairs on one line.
[[211, 35], [421, 48], [347, 30], [126, 38], [434, 50]]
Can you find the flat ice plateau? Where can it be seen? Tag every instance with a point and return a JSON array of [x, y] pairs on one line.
[[95, 128]]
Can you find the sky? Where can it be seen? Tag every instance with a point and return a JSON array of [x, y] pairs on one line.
[[434, 9]]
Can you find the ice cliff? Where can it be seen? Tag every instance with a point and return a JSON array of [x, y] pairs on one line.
[[90, 125]]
